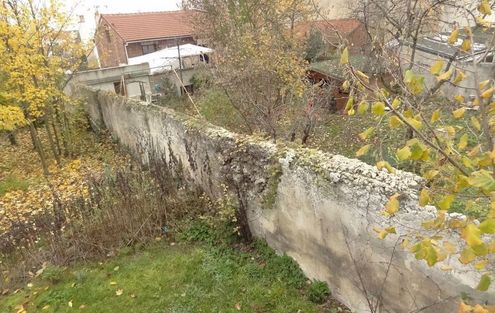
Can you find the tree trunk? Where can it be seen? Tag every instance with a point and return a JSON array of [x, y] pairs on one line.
[[56, 155], [55, 134], [306, 132], [12, 138], [65, 130], [39, 148]]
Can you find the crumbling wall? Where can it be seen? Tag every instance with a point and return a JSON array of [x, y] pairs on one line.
[[318, 208]]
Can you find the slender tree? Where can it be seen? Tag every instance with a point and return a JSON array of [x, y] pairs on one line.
[[37, 50]]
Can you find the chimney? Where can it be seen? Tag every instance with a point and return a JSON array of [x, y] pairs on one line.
[[97, 16]]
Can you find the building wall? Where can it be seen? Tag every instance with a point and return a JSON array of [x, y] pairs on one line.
[[110, 46], [424, 60], [158, 80], [336, 9], [320, 209], [104, 79]]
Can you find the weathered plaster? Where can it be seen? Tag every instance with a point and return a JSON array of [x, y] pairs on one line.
[[321, 208]]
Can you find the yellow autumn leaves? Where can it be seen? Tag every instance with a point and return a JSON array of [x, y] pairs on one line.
[[35, 53], [11, 117]]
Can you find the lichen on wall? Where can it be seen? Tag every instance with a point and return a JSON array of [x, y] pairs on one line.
[[319, 208]]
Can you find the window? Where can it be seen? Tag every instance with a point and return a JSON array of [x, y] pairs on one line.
[[119, 88], [149, 48], [204, 58], [143, 91], [188, 88], [488, 59]]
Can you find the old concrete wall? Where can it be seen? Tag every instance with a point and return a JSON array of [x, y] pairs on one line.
[[318, 208]]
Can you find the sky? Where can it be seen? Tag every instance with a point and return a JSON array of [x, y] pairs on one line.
[[87, 9]]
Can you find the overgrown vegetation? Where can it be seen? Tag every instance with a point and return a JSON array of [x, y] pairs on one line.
[[90, 243], [37, 54], [447, 111]]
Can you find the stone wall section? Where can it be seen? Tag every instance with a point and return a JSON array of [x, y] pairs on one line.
[[320, 209]]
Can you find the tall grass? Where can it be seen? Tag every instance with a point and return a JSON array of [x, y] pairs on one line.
[[127, 206]]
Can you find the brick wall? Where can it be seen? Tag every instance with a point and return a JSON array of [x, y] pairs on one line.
[[110, 46]]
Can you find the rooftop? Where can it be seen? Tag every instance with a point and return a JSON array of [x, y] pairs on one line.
[[168, 59], [343, 26], [438, 44], [151, 25]]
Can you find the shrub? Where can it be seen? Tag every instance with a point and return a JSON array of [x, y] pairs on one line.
[[52, 273], [318, 292]]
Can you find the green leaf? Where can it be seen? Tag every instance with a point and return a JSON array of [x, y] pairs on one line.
[[392, 206], [415, 83], [349, 104], [459, 113], [378, 108], [424, 197], [364, 135], [467, 256], [396, 103], [415, 122], [472, 235], [435, 116], [363, 150], [446, 202], [404, 153], [344, 57], [383, 233], [485, 8], [417, 151], [446, 75], [437, 66], [460, 77], [463, 141], [384, 164], [430, 174], [346, 85], [488, 93], [484, 283], [466, 45], [475, 123], [482, 179], [363, 107], [394, 121], [453, 36], [488, 226]]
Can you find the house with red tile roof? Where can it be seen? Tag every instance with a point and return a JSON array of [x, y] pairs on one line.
[[119, 37]]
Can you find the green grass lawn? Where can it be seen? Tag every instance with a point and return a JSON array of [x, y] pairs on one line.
[[164, 278]]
